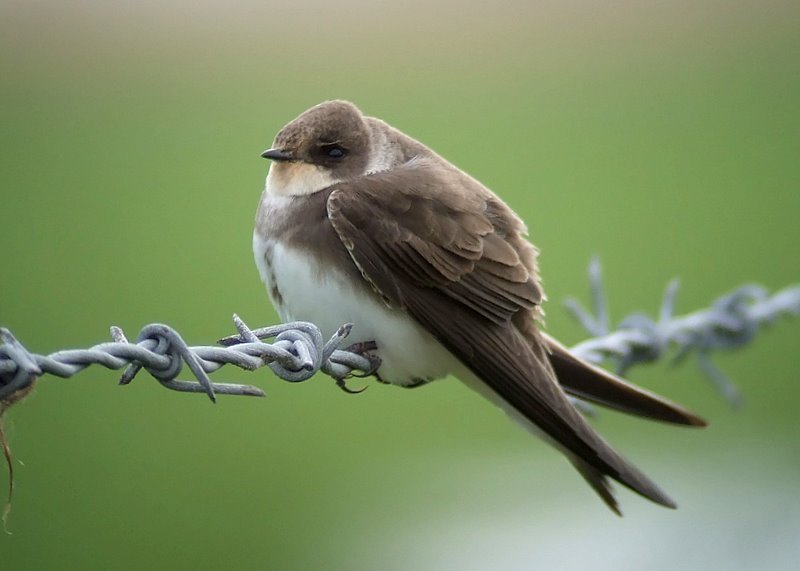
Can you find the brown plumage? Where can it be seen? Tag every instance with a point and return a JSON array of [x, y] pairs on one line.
[[441, 250]]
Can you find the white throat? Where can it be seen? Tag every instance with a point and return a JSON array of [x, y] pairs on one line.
[[297, 179]]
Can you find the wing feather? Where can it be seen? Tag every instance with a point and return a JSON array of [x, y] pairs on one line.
[[415, 236]]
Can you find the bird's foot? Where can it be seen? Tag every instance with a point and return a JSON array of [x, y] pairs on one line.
[[363, 349]]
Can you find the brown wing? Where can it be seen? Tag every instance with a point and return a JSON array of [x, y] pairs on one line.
[[443, 253], [443, 242]]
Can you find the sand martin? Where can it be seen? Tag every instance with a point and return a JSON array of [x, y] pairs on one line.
[[360, 223]]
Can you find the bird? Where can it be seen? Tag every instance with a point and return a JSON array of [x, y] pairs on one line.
[[360, 223]]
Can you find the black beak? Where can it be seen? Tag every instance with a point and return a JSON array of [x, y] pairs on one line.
[[277, 155]]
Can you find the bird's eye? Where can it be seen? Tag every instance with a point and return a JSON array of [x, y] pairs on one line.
[[333, 151]]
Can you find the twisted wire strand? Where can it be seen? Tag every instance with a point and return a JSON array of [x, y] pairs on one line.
[[298, 350]]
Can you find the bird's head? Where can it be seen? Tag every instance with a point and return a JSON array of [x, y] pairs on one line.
[[326, 144]]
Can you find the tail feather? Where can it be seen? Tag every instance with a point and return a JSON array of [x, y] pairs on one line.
[[595, 465], [584, 380]]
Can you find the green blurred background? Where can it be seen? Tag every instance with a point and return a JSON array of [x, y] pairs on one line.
[[662, 136]]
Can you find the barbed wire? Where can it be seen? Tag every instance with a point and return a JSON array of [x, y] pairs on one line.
[[298, 350], [296, 354], [732, 321]]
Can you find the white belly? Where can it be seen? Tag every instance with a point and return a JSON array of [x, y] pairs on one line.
[[325, 297]]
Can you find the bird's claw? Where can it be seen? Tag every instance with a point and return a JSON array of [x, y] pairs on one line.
[[342, 384], [363, 348]]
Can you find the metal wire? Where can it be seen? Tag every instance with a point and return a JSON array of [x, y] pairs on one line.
[[298, 350], [732, 321]]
